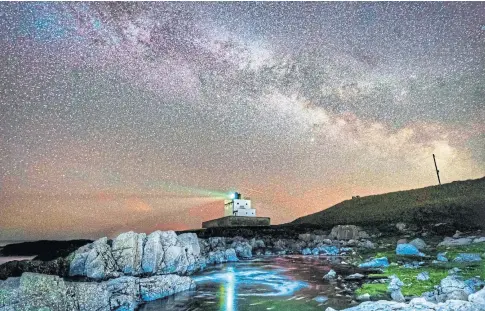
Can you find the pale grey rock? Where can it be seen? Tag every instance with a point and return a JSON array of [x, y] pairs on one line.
[[394, 288], [401, 226], [455, 242], [221, 256], [153, 253], [88, 296], [190, 245], [418, 243], [331, 275], [216, 243], [161, 252], [127, 251], [421, 302], [43, 291], [94, 260], [478, 298], [453, 287], [367, 244], [423, 276], [36, 292], [124, 293], [257, 243], [190, 241], [243, 249], [348, 232], [9, 292], [175, 260], [458, 305], [397, 296], [168, 238], [100, 263], [355, 276], [416, 304], [307, 237], [157, 287], [479, 240], [363, 297]]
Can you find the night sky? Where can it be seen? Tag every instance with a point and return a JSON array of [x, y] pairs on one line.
[[143, 116]]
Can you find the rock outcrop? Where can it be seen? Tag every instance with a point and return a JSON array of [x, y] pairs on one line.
[[161, 252], [414, 305], [34, 291], [348, 232]]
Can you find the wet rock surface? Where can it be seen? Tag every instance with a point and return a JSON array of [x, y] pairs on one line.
[[34, 291]]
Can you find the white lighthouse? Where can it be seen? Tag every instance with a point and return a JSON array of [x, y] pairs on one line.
[[238, 207], [238, 212]]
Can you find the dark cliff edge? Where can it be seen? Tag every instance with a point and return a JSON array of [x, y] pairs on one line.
[[460, 204]]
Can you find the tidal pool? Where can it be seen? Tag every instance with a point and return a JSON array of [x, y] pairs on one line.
[[270, 283]]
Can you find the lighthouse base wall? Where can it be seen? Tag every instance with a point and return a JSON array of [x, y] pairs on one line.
[[237, 221]]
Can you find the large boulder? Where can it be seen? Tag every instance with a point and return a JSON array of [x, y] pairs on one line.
[[127, 251], [153, 252], [161, 252], [94, 260], [418, 243], [381, 262], [453, 287], [408, 250], [34, 291], [348, 232]]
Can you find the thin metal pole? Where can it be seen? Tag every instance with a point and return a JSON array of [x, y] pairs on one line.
[[437, 170]]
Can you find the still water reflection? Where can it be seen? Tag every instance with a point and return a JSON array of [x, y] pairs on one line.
[[271, 283]]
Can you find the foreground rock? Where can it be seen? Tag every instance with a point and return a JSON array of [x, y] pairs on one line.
[[348, 232], [34, 291], [161, 252], [408, 250], [416, 304]]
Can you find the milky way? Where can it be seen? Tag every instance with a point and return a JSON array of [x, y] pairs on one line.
[[142, 116]]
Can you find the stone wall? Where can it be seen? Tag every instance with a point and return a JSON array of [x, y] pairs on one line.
[[237, 221]]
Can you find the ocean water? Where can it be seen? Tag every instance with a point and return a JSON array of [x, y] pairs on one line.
[[284, 283], [4, 259]]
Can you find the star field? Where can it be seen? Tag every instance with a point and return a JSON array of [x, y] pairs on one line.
[[120, 116]]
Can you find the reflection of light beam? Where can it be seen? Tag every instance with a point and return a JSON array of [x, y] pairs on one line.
[[275, 281], [231, 289]]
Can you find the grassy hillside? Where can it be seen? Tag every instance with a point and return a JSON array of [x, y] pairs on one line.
[[461, 203]]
